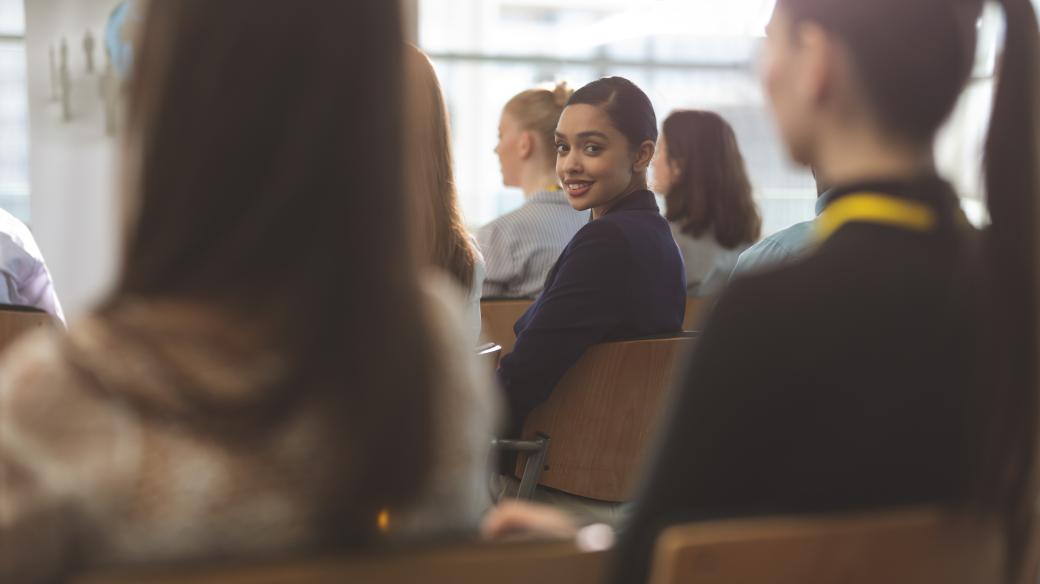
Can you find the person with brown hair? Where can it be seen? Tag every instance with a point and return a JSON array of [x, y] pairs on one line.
[[442, 238], [521, 247], [271, 374], [708, 199]]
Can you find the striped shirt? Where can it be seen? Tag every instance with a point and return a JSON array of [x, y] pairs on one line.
[[522, 246]]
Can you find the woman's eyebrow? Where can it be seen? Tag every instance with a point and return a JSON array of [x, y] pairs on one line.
[[584, 135]]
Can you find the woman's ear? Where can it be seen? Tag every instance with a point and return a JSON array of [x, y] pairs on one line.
[[644, 154], [526, 145], [676, 170], [818, 61]]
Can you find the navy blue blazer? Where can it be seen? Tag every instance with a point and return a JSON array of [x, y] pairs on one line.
[[621, 277]]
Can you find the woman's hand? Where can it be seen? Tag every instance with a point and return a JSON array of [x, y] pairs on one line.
[[519, 518]]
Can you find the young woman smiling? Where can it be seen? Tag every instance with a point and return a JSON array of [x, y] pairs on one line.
[[622, 275]]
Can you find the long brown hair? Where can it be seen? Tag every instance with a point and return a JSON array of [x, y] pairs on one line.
[[914, 58], [713, 191], [267, 185], [443, 238]]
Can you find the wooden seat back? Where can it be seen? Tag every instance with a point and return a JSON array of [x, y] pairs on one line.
[[601, 415], [497, 318], [505, 563], [16, 321], [920, 546], [696, 310]]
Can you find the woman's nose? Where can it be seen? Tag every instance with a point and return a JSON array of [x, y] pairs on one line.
[[572, 163]]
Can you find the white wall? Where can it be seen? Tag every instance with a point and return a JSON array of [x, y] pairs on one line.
[[71, 164]]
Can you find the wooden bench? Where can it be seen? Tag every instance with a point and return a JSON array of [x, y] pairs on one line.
[[478, 563], [917, 546]]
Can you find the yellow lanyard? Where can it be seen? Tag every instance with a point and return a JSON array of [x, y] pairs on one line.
[[874, 208]]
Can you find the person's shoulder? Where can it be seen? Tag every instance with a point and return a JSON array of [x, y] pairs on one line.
[[459, 370], [507, 223], [782, 246], [35, 360], [790, 240], [41, 389], [611, 223], [17, 233], [443, 298], [606, 230]]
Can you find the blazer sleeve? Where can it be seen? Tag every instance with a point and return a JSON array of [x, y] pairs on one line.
[[717, 437], [585, 301]]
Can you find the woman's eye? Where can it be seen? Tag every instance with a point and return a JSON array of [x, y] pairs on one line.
[[561, 148], [593, 149]]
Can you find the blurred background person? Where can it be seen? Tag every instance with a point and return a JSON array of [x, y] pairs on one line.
[[785, 245], [700, 171], [521, 247], [26, 279], [441, 234]]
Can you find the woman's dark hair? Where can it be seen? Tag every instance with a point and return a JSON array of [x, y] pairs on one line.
[[913, 59], [265, 146], [712, 191], [628, 108]]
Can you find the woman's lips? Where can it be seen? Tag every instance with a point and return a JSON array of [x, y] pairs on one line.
[[577, 188]]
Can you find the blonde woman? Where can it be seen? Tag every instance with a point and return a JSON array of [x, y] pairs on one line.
[[442, 237], [521, 247]]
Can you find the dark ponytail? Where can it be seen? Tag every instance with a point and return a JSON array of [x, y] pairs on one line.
[[914, 58], [1012, 185], [628, 108]]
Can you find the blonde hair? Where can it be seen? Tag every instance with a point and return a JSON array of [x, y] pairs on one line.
[[538, 110], [442, 238]]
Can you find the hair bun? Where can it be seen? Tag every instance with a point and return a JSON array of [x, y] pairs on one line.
[[562, 93]]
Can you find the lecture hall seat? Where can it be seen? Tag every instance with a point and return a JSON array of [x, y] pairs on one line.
[[555, 562], [497, 317], [15, 321], [588, 439], [696, 310], [910, 546]]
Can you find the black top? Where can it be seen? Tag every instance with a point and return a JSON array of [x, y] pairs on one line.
[[621, 277], [850, 379]]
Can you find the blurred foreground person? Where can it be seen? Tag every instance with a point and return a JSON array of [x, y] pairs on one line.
[[270, 374]]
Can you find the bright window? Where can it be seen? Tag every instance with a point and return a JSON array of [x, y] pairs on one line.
[[683, 53], [14, 113], [488, 50]]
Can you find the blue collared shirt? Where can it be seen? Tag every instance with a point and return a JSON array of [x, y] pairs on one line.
[[780, 247]]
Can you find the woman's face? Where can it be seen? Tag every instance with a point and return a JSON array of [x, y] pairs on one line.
[[663, 169], [595, 162], [783, 75], [510, 158]]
